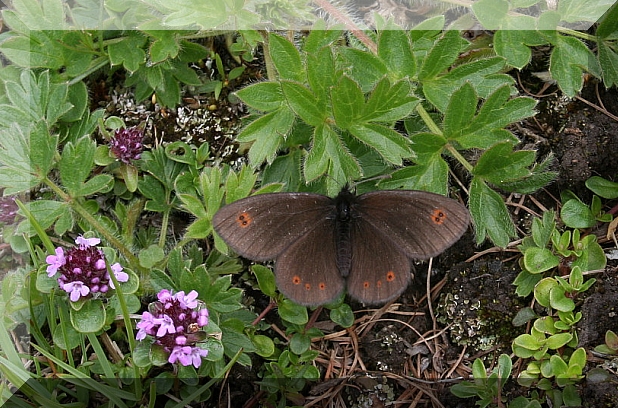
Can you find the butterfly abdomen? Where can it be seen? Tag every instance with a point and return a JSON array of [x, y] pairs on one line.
[[343, 232]]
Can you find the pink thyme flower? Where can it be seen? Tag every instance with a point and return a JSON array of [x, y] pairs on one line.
[[55, 261], [76, 289], [188, 355], [175, 322], [127, 144], [82, 269]]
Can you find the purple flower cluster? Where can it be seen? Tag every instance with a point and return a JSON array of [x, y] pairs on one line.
[[8, 210], [174, 321], [127, 144], [82, 269]]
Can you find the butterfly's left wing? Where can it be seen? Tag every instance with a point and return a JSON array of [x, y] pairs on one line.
[[261, 227], [306, 271], [380, 270], [422, 224]]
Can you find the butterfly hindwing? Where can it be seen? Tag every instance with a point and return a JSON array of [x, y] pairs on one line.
[[260, 227], [306, 271], [380, 270], [421, 224]]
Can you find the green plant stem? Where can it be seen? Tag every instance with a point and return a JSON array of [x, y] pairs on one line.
[[123, 306], [459, 157], [427, 119], [49, 246], [270, 66], [164, 223], [79, 209], [95, 66], [573, 33], [436, 129]]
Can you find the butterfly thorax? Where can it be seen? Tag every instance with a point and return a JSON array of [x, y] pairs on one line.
[[343, 228]]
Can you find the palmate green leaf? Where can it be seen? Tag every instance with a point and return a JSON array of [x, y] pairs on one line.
[[26, 156], [188, 13], [101, 183], [76, 164], [329, 156], [304, 103], [608, 25], [38, 49], [348, 100], [430, 176], [183, 73], [286, 59], [168, 92], [237, 185], [608, 59], [460, 111], [164, 46], [318, 39], [395, 50], [427, 146], [263, 96], [442, 55], [45, 212], [128, 51], [484, 75], [392, 146], [501, 164], [317, 161], [362, 66], [568, 60], [580, 10], [267, 134], [491, 13], [34, 98], [389, 103], [490, 215], [537, 177], [37, 15], [486, 128], [514, 45], [321, 73], [286, 169]]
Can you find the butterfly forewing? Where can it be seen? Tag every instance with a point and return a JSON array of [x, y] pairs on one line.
[[421, 224], [380, 270], [261, 227], [306, 271]]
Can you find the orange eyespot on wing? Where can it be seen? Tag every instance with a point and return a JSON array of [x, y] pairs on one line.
[[306, 271], [420, 223], [244, 219], [438, 216], [376, 278]]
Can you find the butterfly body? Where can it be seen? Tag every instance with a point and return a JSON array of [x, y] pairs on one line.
[[322, 244]]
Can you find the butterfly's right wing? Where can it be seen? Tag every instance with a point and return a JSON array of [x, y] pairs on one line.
[[421, 224], [261, 227]]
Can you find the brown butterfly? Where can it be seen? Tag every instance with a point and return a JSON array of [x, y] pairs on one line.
[[322, 245]]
